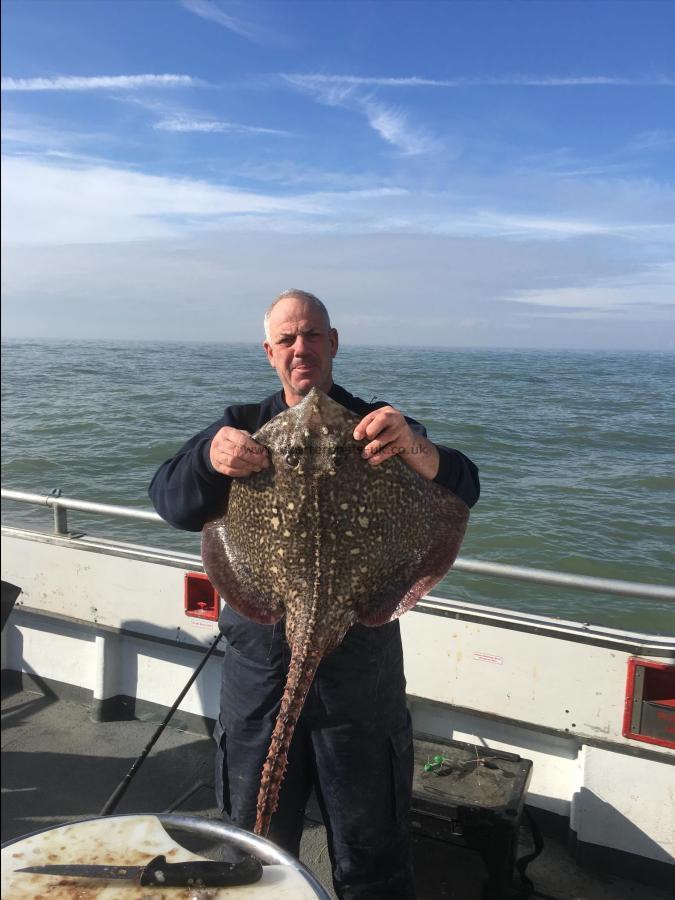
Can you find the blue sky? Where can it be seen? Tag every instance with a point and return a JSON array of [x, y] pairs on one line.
[[448, 173]]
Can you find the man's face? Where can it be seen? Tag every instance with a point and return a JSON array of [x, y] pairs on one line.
[[301, 348]]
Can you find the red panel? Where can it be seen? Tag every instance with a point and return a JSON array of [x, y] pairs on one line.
[[201, 598], [659, 693]]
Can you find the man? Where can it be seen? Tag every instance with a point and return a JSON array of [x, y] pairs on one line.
[[353, 741]]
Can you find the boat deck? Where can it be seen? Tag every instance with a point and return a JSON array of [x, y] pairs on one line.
[[59, 765]]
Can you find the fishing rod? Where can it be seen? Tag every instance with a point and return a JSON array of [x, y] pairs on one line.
[[111, 803]]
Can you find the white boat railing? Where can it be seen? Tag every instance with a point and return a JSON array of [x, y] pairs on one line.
[[616, 586]]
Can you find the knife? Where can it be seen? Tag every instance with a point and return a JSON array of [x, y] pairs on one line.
[[196, 873]]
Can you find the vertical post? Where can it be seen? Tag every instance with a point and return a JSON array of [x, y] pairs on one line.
[[60, 519], [106, 705], [638, 694]]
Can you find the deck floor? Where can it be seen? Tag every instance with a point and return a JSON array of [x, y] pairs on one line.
[[59, 765]]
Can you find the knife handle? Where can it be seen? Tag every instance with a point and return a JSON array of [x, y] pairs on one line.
[[201, 873]]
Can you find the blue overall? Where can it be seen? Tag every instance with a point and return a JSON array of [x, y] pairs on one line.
[[352, 744]]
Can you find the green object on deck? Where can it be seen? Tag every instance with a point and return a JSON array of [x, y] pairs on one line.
[[436, 762]]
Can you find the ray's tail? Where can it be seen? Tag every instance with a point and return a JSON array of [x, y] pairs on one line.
[[300, 676]]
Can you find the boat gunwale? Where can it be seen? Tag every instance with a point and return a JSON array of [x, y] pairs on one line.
[[636, 643]]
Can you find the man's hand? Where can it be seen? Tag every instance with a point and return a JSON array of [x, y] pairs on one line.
[[235, 453], [389, 434]]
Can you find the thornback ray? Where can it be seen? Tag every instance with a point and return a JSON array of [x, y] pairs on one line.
[[327, 540]]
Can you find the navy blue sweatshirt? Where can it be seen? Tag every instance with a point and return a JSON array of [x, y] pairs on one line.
[[187, 491]]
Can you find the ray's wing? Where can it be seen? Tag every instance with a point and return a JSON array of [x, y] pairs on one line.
[[399, 536], [260, 553], [235, 551], [420, 560]]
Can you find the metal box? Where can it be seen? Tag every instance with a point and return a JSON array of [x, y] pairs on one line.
[[475, 796], [201, 600], [649, 713], [658, 720]]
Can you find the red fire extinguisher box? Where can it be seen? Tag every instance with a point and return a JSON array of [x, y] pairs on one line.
[[201, 598], [650, 702]]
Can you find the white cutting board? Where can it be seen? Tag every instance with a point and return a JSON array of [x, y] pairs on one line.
[[130, 841]]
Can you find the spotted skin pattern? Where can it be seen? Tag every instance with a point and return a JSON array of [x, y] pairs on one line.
[[327, 540]]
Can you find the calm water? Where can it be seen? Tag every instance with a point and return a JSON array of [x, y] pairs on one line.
[[575, 449]]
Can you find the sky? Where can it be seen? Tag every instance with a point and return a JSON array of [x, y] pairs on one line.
[[448, 173]]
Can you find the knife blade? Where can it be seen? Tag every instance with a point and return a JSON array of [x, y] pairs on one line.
[[159, 872]]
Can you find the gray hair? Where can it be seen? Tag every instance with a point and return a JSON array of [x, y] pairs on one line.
[[295, 294]]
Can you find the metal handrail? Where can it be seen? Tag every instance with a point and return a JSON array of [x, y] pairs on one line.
[[58, 502], [469, 566], [562, 579]]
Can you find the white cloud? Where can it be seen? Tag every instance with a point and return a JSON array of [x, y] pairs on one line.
[[391, 124], [214, 12], [657, 139], [295, 173], [210, 126], [98, 82], [26, 133], [69, 198], [44, 202], [315, 81], [552, 227], [579, 81], [651, 292], [53, 204]]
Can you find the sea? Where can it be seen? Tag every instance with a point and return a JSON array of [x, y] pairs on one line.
[[576, 450]]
